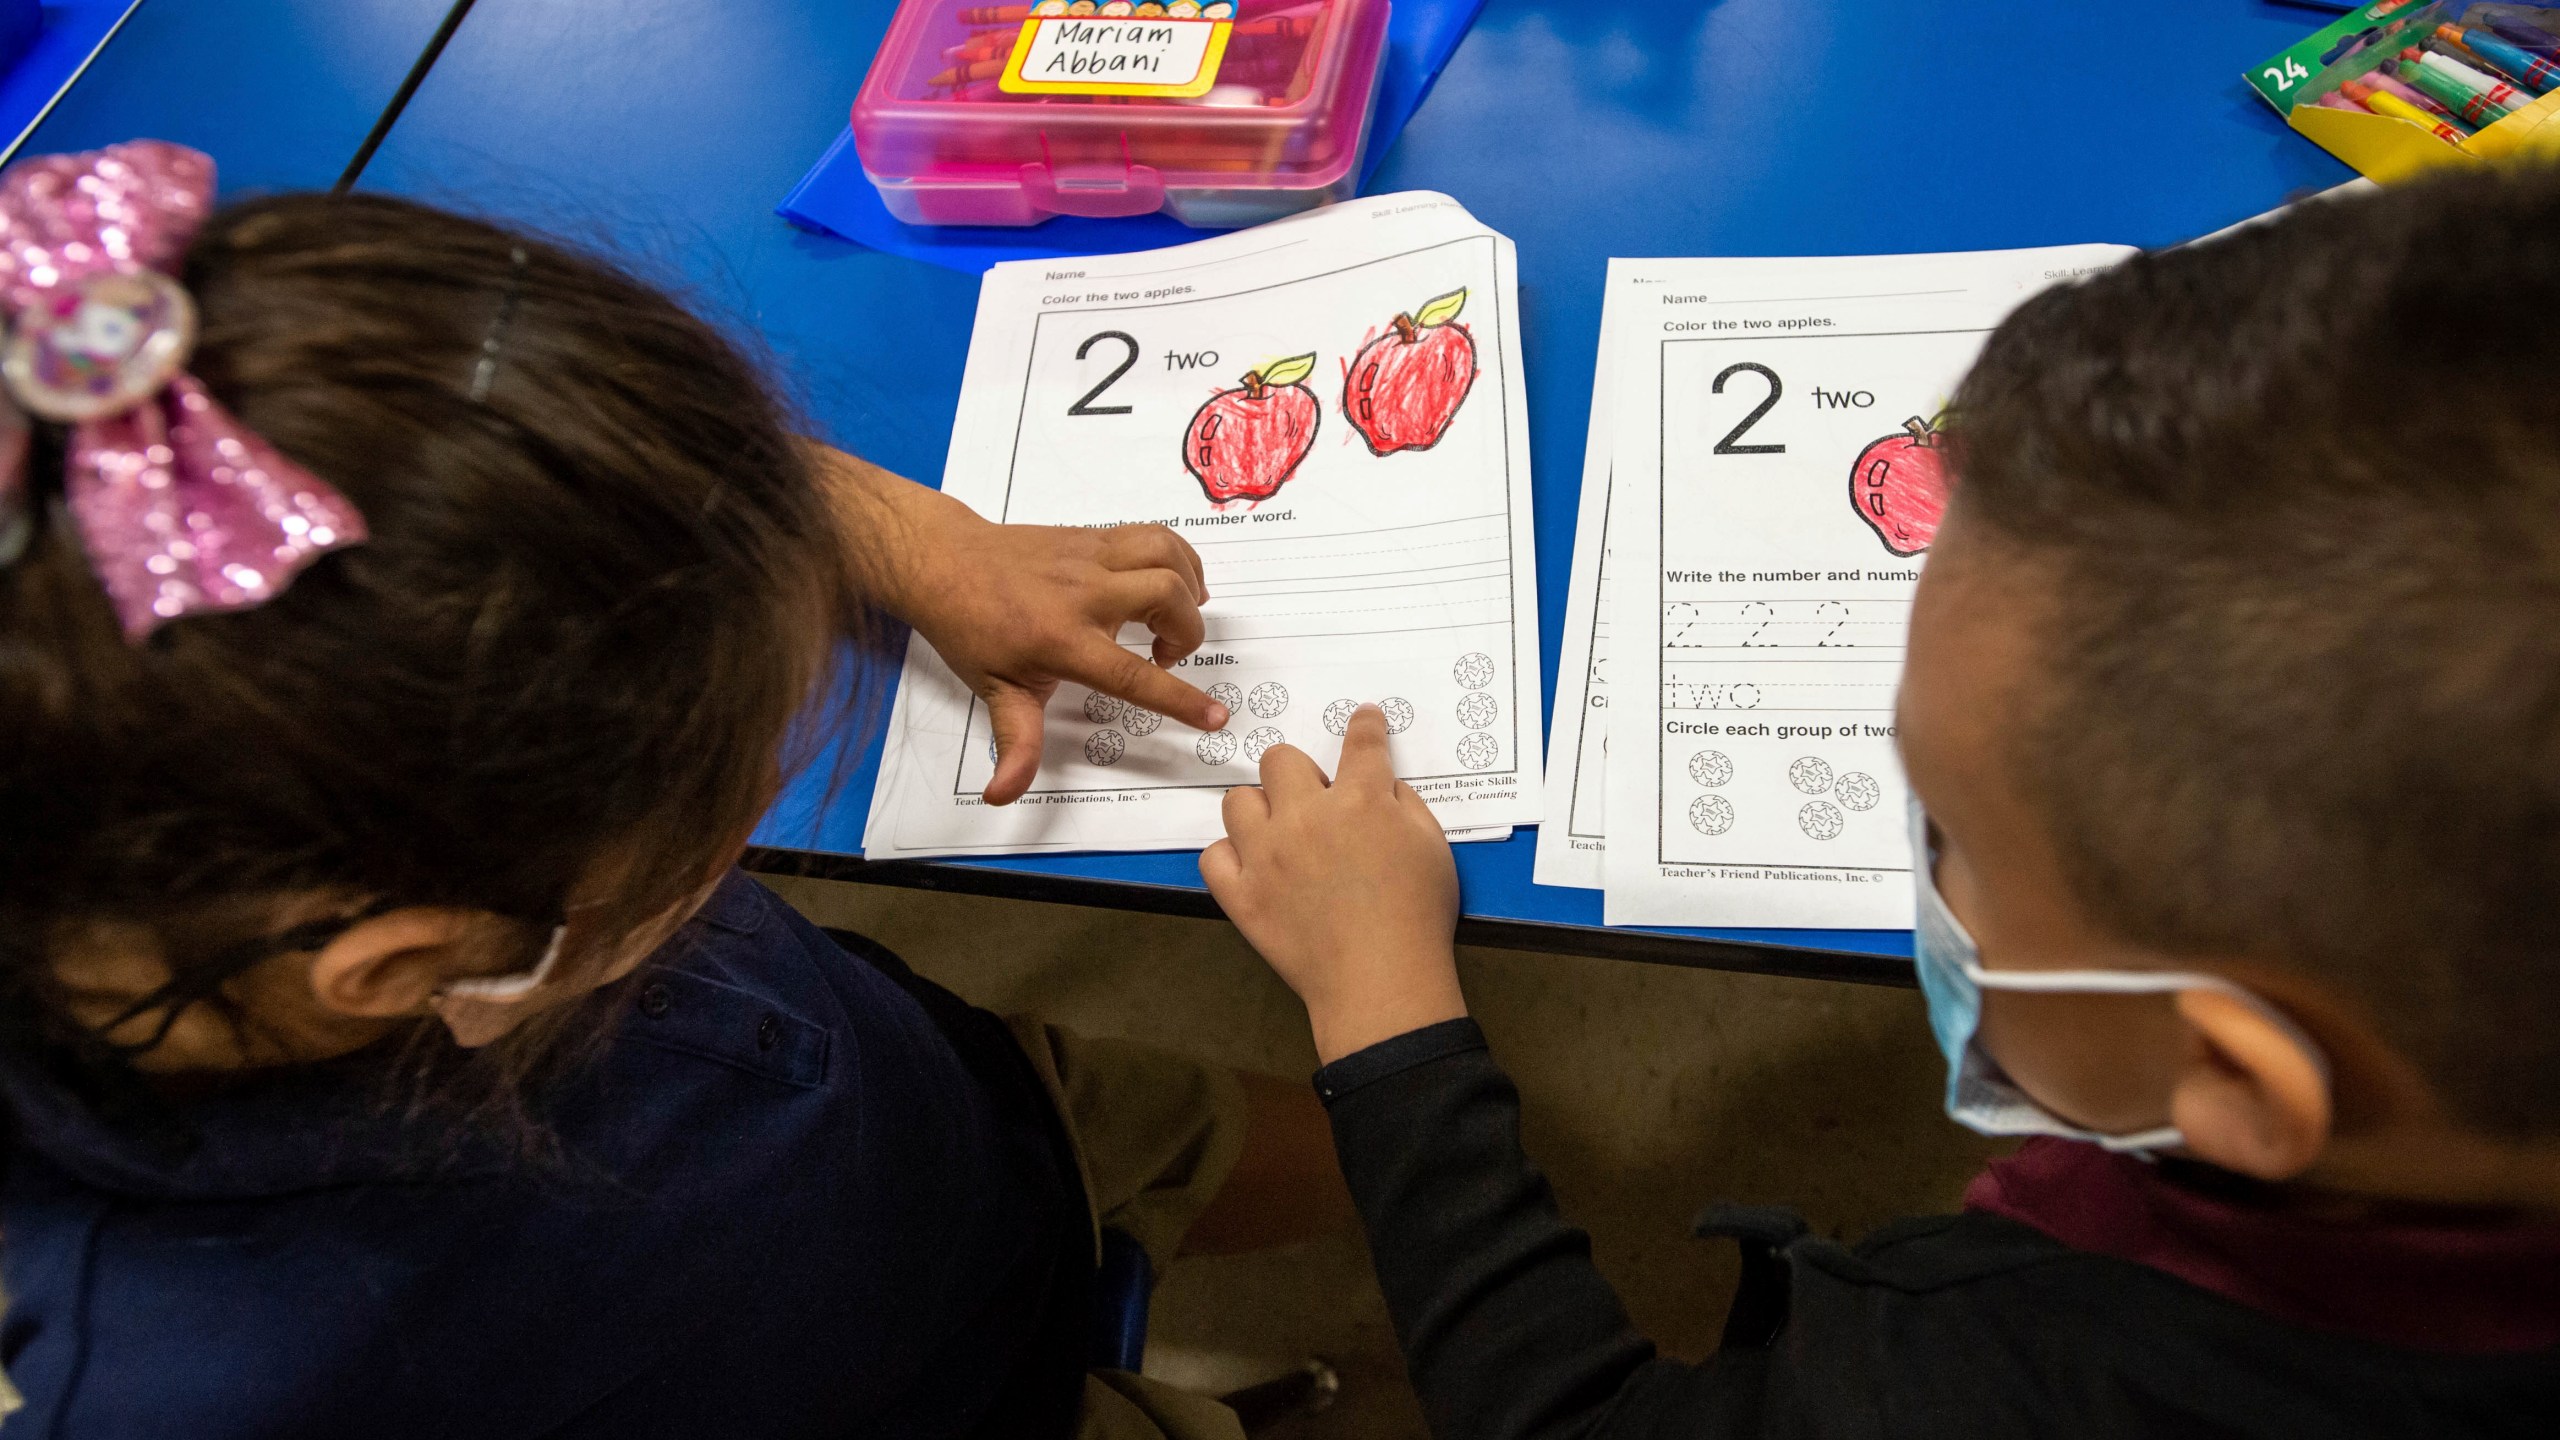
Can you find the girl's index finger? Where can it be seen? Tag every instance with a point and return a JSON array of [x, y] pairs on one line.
[[1106, 667], [1140, 547]]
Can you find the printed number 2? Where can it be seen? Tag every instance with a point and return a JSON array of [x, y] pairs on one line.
[[1086, 406], [1726, 446]]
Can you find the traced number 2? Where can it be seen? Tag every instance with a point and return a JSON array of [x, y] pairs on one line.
[[1726, 446], [1086, 406], [1843, 612]]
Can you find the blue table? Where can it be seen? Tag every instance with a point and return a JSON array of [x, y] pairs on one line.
[[668, 129], [280, 92]]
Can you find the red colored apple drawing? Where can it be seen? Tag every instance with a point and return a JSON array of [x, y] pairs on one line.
[[1899, 487], [1245, 444], [1404, 387]]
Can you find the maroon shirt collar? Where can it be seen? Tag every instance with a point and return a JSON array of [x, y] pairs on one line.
[[2475, 1285]]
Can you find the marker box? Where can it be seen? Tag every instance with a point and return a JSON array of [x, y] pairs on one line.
[[1220, 112], [2299, 81]]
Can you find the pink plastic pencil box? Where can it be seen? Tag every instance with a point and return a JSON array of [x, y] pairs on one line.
[[1222, 112]]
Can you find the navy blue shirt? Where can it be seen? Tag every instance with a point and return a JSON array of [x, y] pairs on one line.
[[799, 1193]]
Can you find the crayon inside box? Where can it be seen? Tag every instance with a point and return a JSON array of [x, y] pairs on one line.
[[2365, 88], [1221, 112]]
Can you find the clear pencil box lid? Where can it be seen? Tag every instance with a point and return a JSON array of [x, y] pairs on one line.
[[1223, 112]]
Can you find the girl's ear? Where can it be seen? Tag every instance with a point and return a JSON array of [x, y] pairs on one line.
[[392, 964], [2253, 1097]]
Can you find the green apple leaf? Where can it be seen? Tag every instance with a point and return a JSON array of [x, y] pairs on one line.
[[1289, 371], [1441, 310]]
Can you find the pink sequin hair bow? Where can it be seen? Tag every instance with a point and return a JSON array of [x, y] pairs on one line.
[[181, 509]]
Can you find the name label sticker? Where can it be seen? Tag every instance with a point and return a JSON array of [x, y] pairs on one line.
[[1106, 55]]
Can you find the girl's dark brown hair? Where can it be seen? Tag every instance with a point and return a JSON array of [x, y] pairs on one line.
[[601, 583]]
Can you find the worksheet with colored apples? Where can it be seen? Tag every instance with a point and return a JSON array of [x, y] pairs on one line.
[[1330, 409], [1777, 478]]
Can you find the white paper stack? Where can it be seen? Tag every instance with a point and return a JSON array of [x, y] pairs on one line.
[[1330, 409], [1759, 489]]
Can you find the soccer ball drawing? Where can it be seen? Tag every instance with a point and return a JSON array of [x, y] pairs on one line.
[[1858, 790], [1711, 814], [1820, 819]]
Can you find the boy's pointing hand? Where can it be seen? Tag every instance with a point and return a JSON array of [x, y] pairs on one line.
[[1347, 888]]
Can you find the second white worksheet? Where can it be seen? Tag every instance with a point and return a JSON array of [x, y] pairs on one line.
[[1775, 481], [1330, 409]]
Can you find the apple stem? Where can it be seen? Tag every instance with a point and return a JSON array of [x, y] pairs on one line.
[[1406, 331], [1253, 386], [1921, 430]]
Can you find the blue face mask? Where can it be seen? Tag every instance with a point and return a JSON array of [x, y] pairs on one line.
[[1980, 1096]]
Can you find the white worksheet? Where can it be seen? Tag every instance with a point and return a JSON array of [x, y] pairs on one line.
[[1775, 482], [1572, 836], [1329, 408]]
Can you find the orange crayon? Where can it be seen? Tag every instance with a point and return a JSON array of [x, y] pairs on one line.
[[978, 50], [974, 70]]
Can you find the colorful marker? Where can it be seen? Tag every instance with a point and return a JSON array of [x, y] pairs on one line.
[[2527, 38], [2335, 101], [2384, 79], [2500, 93], [2471, 106], [2383, 102], [2533, 72]]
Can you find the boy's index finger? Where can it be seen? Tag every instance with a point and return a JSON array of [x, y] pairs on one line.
[[1365, 763], [1290, 774]]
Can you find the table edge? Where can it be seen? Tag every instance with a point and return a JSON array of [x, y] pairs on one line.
[[1536, 936]]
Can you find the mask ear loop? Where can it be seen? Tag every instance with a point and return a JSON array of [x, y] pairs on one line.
[[2144, 982], [175, 998], [505, 988]]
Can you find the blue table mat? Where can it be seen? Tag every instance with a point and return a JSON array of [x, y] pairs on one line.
[[836, 197]]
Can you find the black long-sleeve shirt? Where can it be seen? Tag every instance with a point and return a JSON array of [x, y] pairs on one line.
[[1968, 1326]]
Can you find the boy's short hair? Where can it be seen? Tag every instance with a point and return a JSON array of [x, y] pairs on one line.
[[2299, 491]]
